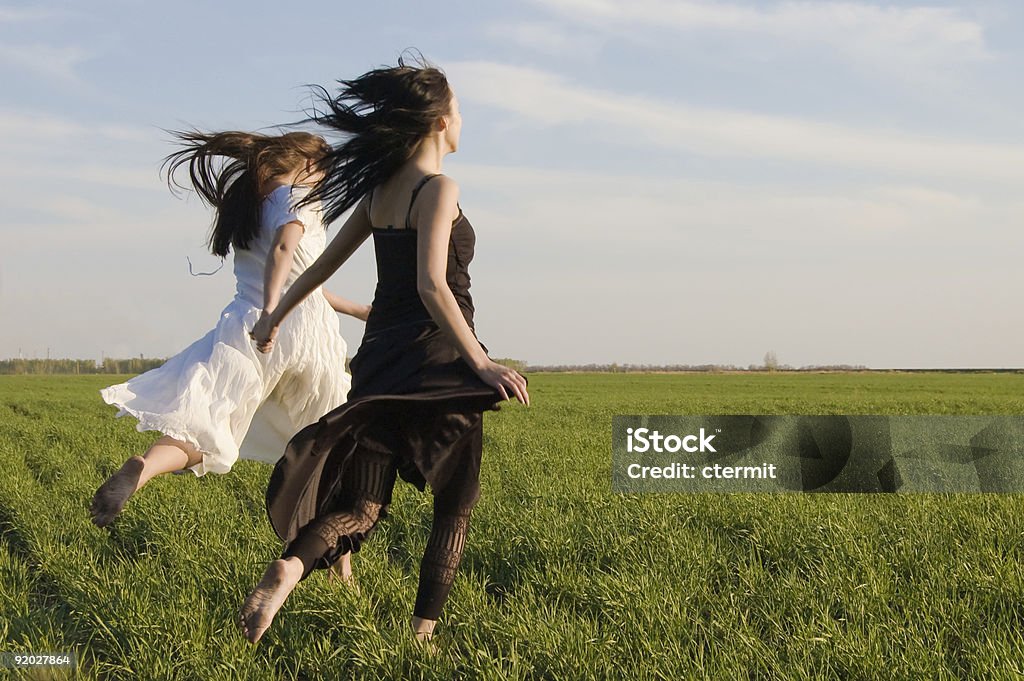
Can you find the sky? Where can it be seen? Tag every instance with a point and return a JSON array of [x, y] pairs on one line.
[[651, 182]]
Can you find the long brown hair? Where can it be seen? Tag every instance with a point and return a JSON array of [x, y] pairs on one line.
[[385, 113], [227, 170]]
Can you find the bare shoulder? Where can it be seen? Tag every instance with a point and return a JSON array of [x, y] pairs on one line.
[[439, 196], [441, 188]]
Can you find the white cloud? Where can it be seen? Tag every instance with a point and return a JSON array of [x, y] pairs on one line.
[[882, 35], [38, 149], [545, 99], [122, 177], [11, 15], [57, 63], [565, 207], [28, 134], [612, 267], [79, 211], [546, 37]]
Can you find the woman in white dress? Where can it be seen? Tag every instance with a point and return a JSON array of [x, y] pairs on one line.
[[221, 399]]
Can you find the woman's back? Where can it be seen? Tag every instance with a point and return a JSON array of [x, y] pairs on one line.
[[396, 300], [277, 209]]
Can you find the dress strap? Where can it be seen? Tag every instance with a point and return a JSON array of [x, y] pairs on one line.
[[415, 193]]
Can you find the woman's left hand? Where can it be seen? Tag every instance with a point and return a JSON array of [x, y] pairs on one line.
[[505, 380]]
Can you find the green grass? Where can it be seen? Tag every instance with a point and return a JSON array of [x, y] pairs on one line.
[[561, 578]]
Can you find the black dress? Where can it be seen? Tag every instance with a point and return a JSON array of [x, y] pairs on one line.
[[413, 397]]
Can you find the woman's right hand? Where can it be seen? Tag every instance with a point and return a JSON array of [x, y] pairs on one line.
[[264, 332], [505, 380]]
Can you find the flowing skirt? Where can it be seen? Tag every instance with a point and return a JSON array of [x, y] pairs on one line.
[[414, 400], [228, 400]]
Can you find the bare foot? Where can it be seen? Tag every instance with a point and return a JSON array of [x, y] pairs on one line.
[[341, 571], [112, 495], [267, 598], [423, 630]]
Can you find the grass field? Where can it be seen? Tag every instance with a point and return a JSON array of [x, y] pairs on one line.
[[561, 578]]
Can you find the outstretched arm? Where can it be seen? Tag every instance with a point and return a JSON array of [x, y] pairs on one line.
[[346, 306], [438, 208], [351, 235]]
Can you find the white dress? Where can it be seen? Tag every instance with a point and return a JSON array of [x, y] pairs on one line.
[[222, 395]]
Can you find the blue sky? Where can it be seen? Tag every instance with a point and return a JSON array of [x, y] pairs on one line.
[[651, 182]]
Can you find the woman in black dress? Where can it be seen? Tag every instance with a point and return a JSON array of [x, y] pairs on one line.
[[421, 380]]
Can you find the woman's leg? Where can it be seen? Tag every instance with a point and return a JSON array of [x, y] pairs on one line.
[[437, 570], [266, 599], [164, 456], [452, 507], [364, 490]]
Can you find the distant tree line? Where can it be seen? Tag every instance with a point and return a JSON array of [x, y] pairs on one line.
[[708, 368], [138, 365], [771, 363], [517, 364], [135, 365]]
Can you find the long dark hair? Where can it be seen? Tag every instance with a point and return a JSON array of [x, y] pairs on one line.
[[227, 170], [385, 113]]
